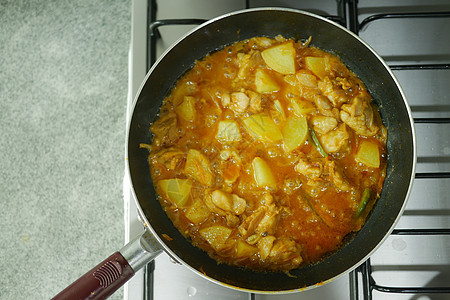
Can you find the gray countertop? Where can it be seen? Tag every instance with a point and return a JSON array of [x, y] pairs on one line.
[[63, 95]]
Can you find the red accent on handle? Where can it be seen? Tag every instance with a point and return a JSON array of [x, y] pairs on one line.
[[100, 282]]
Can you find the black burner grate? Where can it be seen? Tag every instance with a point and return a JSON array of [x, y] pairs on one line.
[[362, 276]]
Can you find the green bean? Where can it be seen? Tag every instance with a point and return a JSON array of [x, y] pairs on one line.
[[317, 143], [363, 202]]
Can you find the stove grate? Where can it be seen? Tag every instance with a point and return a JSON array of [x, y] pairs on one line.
[[363, 274]]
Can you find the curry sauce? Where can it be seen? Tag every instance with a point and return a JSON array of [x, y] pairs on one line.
[[267, 153]]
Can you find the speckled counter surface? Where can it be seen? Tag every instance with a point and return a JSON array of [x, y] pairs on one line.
[[63, 94]]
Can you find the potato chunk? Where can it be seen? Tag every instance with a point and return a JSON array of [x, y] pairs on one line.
[[228, 131], [245, 250], [215, 235], [176, 190], [316, 65], [302, 107], [197, 212], [368, 154], [265, 83], [281, 58], [198, 167], [262, 127], [263, 174], [295, 131]]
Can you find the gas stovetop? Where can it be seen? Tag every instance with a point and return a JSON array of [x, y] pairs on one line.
[[412, 36]]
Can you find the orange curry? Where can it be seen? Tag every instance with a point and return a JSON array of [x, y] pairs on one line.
[[266, 154]]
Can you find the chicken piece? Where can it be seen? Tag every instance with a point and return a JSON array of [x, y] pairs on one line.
[[338, 177], [345, 83], [253, 239], [262, 221], [198, 167], [239, 204], [323, 124], [169, 158], [230, 154], [165, 129], [265, 245], [293, 87], [269, 222], [222, 200], [285, 249], [312, 170], [335, 140], [359, 115], [230, 165], [243, 61], [232, 220], [248, 62], [239, 102], [267, 199], [228, 202], [306, 79], [255, 101], [325, 107], [263, 42], [210, 204], [248, 226], [335, 93], [227, 205]]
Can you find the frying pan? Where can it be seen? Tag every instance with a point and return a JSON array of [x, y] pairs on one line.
[[161, 235]]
